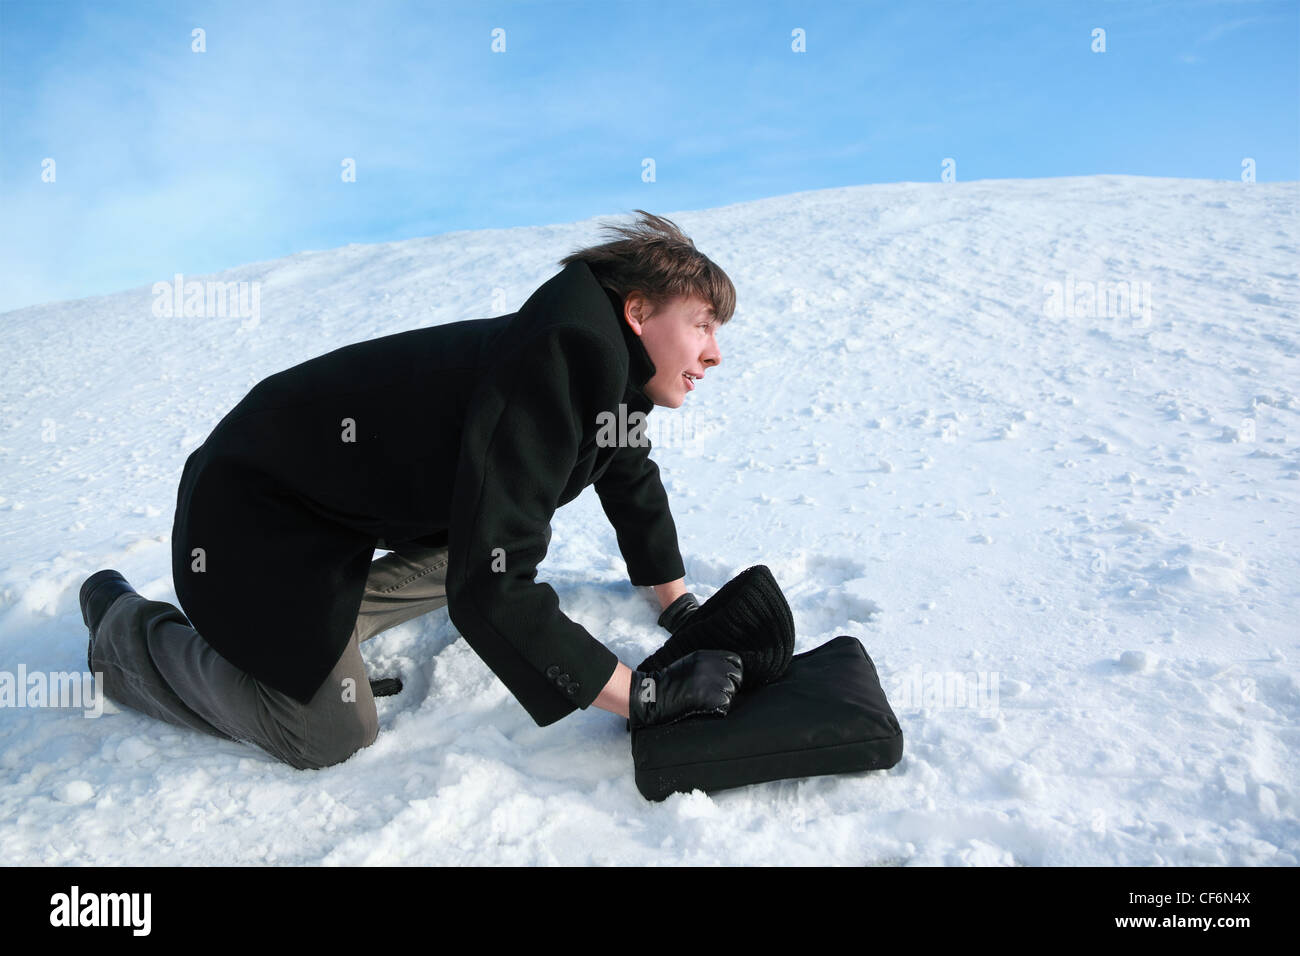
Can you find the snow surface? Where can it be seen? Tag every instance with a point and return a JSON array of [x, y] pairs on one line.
[[1090, 520]]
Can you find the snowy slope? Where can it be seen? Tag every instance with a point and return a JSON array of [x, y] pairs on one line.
[[1068, 541]]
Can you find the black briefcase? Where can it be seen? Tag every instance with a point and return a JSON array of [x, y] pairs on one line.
[[826, 714]]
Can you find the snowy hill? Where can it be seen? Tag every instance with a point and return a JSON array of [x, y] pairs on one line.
[[1035, 442]]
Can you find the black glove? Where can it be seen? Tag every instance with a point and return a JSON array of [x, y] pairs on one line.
[[748, 615], [678, 613], [699, 684]]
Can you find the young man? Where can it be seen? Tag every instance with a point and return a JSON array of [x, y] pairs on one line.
[[452, 447]]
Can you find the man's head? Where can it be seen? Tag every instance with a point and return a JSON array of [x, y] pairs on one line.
[[674, 297], [679, 337]]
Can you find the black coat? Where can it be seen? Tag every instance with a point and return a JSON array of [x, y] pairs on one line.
[[469, 434]]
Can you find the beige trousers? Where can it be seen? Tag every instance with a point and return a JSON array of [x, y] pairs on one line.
[[151, 660]]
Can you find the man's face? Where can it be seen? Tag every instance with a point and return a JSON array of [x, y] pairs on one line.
[[680, 340]]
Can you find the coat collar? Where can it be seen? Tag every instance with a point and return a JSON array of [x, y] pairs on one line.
[[640, 369]]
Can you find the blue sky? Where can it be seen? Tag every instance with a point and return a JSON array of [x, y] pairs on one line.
[[168, 160]]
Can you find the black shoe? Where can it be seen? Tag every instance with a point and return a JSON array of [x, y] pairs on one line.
[[98, 592], [385, 686]]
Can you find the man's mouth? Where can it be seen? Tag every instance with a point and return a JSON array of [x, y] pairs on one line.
[[690, 385]]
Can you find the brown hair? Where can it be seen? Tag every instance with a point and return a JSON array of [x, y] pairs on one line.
[[658, 260]]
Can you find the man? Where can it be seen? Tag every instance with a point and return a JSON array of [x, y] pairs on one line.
[[452, 447]]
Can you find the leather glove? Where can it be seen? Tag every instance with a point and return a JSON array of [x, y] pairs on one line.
[[702, 683], [750, 616], [678, 613]]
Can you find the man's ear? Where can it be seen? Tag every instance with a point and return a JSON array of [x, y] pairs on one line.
[[636, 309]]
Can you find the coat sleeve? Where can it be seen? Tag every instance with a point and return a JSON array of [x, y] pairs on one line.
[[636, 504], [522, 438]]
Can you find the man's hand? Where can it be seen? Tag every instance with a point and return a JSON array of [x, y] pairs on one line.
[[701, 683], [669, 591]]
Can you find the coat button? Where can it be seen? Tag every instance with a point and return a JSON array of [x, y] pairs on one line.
[[552, 671], [571, 689], [562, 679]]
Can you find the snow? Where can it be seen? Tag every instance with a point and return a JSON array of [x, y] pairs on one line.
[[1067, 539]]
